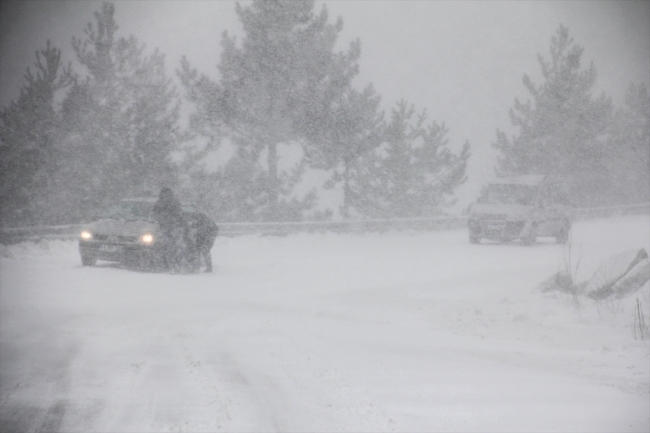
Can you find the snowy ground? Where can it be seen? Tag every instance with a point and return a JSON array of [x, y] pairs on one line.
[[397, 331]]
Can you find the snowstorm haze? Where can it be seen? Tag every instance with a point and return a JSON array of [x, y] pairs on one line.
[[232, 217], [462, 61], [407, 46]]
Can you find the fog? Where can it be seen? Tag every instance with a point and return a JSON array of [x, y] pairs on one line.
[[463, 61], [349, 291]]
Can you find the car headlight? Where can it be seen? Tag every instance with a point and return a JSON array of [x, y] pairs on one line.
[[147, 238], [86, 235]]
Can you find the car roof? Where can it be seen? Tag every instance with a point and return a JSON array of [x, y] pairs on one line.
[[525, 179]]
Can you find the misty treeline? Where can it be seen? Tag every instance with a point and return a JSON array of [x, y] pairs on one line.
[[603, 152], [76, 141], [283, 108]]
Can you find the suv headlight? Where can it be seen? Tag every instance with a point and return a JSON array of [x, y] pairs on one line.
[[147, 238], [86, 235]]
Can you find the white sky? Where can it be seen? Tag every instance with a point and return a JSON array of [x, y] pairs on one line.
[[461, 60]]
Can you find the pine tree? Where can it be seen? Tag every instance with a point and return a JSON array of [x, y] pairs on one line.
[[273, 87], [237, 191], [412, 173], [562, 130], [121, 121], [28, 135], [628, 151], [353, 127]]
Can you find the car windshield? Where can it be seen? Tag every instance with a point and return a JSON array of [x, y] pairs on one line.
[[508, 194], [132, 211]]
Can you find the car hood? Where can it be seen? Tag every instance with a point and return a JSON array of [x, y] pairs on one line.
[[509, 211], [122, 228]]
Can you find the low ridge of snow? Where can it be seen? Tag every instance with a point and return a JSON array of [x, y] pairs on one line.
[[395, 331]]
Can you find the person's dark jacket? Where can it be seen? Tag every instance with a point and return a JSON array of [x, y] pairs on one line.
[[167, 211], [204, 230], [208, 230]]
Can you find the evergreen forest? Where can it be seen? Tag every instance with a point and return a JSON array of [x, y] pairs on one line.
[[285, 104]]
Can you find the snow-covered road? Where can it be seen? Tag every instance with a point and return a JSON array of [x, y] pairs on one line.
[[399, 331]]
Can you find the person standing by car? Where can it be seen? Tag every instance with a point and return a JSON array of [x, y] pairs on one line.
[[206, 233], [169, 215], [200, 236]]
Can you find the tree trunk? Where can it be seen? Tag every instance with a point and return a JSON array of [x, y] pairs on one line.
[[346, 190], [273, 187]]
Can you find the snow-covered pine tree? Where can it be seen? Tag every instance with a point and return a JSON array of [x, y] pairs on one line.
[[120, 121], [272, 86], [28, 135], [412, 173], [352, 127], [237, 190], [628, 149], [563, 129]]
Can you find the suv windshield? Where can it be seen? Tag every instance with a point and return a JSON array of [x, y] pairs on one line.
[[132, 211], [523, 195]]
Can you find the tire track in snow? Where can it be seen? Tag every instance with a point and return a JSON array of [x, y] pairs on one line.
[[192, 388], [244, 401]]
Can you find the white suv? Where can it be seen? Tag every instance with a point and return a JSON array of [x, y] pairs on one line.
[[521, 207]]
